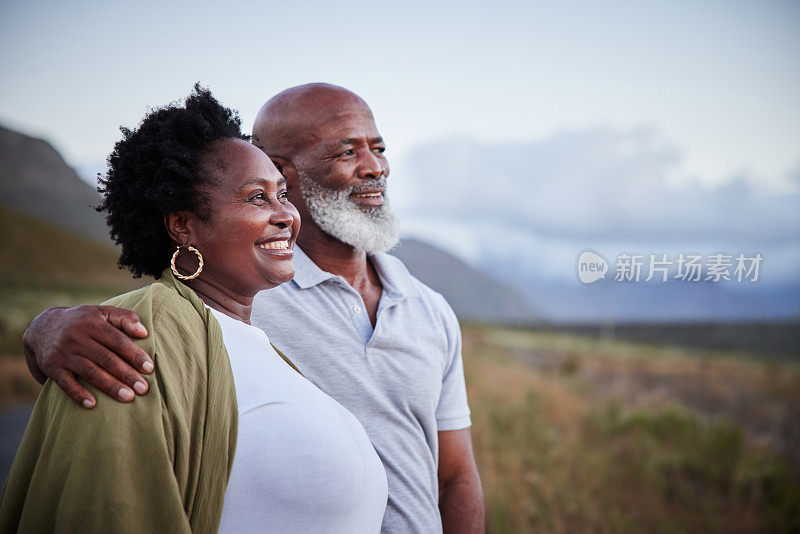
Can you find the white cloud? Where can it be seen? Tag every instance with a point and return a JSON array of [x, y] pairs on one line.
[[535, 205]]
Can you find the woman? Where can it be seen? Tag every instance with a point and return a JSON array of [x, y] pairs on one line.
[[196, 206]]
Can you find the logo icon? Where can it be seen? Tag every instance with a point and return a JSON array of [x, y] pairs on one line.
[[591, 267]]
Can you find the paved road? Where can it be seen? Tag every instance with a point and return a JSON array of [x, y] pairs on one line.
[[12, 425]]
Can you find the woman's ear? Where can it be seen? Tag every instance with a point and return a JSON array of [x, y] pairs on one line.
[[179, 227]]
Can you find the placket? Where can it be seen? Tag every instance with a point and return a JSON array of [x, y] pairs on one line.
[[382, 330], [354, 308]]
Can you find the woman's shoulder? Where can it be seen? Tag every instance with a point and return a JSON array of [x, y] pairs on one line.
[[157, 292], [157, 300], [168, 316], [183, 340]]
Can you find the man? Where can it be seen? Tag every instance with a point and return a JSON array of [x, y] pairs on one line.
[[354, 320]]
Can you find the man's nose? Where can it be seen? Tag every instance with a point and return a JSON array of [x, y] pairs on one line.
[[372, 167]]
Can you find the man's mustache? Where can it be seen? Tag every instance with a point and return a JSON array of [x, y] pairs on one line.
[[370, 185]]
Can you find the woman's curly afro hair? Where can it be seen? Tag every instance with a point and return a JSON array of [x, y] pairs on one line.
[[155, 169]]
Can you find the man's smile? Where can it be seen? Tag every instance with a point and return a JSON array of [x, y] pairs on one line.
[[368, 198]]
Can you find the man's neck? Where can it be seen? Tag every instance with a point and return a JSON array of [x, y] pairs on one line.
[[336, 257], [333, 256]]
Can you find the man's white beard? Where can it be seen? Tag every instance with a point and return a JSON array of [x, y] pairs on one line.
[[372, 230]]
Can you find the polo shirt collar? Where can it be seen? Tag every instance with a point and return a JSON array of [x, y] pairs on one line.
[[394, 276], [306, 272], [396, 279]]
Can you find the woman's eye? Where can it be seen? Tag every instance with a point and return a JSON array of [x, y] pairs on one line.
[[258, 198]]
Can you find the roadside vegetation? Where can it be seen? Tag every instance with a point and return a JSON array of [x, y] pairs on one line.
[[577, 435], [572, 434]]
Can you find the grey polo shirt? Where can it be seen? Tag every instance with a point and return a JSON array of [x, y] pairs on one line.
[[404, 380]]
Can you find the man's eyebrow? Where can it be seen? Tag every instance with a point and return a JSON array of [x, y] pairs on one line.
[[355, 140], [348, 141]]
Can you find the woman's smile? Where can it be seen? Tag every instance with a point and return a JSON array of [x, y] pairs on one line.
[[279, 247]]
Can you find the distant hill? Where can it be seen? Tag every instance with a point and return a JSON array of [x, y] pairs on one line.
[[36, 184], [43, 265], [473, 294], [39, 255], [35, 180]]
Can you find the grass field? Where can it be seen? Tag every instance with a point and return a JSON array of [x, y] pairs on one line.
[[41, 266], [577, 435], [571, 434]]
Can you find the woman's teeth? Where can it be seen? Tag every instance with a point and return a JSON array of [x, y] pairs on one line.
[[274, 245]]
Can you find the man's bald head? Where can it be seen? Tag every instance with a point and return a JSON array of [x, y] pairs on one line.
[[324, 141], [291, 119]]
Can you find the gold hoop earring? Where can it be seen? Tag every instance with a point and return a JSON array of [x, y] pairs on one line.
[[199, 267]]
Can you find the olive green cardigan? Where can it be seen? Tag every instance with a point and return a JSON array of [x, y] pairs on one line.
[[158, 464]]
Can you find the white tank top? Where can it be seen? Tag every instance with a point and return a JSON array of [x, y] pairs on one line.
[[303, 463]]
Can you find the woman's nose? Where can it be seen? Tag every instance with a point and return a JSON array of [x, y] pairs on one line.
[[282, 217]]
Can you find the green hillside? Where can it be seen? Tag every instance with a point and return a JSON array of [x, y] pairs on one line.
[[41, 255], [42, 265]]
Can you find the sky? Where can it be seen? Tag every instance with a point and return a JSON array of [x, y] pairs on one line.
[[720, 80], [551, 126]]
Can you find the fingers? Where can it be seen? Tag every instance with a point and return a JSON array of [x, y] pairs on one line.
[[66, 381], [117, 368], [100, 379], [125, 320], [91, 342], [109, 335]]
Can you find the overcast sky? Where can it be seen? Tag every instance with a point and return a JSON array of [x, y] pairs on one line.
[[544, 127], [719, 80]]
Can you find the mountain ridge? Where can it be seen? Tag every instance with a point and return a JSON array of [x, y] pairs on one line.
[[473, 294], [36, 181]]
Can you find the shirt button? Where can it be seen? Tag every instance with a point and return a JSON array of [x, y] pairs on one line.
[[357, 308]]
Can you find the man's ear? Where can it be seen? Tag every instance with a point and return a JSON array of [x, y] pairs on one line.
[[286, 168], [179, 227], [289, 171]]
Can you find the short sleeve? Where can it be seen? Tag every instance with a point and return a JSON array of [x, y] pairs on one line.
[[452, 412]]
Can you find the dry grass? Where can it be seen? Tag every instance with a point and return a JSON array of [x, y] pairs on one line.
[[575, 435], [762, 395], [571, 434]]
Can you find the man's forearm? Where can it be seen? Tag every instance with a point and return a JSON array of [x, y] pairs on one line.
[[461, 506], [29, 343]]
